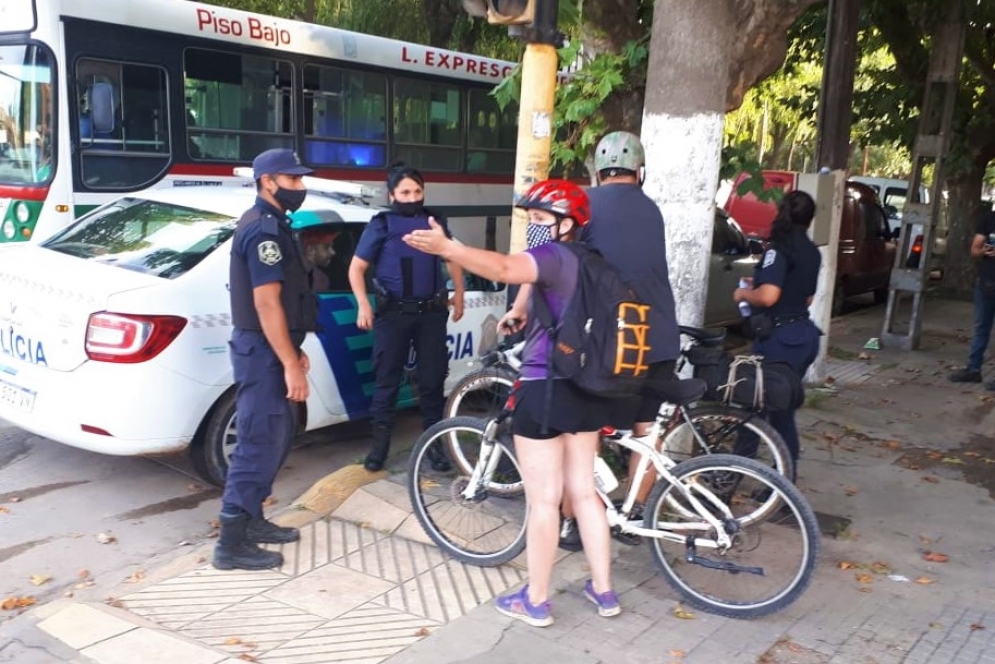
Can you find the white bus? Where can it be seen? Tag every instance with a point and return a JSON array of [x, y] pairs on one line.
[[102, 97]]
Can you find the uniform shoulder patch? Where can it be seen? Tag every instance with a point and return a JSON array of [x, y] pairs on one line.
[[269, 252], [769, 257]]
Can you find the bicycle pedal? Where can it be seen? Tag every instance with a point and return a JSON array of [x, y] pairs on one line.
[[628, 539]]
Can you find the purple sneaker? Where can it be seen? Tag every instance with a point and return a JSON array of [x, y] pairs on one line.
[[607, 602], [517, 605]]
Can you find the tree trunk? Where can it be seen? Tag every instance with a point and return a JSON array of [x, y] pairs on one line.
[[963, 209], [682, 133]]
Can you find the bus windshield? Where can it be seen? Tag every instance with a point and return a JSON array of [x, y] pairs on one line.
[[26, 112]]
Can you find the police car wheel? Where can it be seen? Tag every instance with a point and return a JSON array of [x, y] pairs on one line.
[[215, 441]]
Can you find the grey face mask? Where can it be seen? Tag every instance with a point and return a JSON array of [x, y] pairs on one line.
[[536, 235]]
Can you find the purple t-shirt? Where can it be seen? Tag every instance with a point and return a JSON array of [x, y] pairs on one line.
[[557, 281]]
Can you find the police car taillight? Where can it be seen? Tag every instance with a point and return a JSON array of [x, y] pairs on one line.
[[129, 338]]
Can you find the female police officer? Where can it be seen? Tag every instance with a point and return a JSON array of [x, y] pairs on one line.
[[412, 307], [783, 285], [272, 310]]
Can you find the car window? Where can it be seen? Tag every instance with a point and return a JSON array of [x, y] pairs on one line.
[[876, 226], [330, 254], [146, 236], [727, 239]]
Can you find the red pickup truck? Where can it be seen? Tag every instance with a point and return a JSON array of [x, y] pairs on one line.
[[866, 245]]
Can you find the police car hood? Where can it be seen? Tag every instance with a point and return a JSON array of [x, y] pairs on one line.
[[46, 299]]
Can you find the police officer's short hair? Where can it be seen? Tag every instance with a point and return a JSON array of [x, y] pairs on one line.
[[400, 171]]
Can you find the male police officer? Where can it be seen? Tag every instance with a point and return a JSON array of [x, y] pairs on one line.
[[272, 311]]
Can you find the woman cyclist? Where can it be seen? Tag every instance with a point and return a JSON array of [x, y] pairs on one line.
[[555, 447]]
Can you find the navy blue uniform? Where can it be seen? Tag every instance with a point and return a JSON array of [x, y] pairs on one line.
[[264, 251], [412, 309], [794, 339]]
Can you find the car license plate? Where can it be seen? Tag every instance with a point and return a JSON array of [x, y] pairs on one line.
[[17, 397]]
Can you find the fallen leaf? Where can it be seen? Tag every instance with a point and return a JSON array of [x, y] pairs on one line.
[[232, 641], [851, 490], [12, 603], [794, 647], [881, 568], [248, 658], [39, 579], [135, 576], [863, 356], [679, 612], [15, 499], [953, 460], [931, 479], [194, 487], [925, 580], [4, 510], [894, 445], [848, 448], [925, 540], [83, 574], [678, 653], [846, 564], [934, 455], [973, 455], [115, 602], [106, 538], [865, 589], [214, 524], [423, 631], [976, 626], [914, 466], [84, 585], [864, 578], [935, 557]]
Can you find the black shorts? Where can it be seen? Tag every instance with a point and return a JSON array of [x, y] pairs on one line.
[[571, 410], [644, 407]]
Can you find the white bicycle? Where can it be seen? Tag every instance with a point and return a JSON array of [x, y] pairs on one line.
[[730, 534]]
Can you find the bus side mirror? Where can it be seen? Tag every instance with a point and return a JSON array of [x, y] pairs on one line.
[[102, 109]]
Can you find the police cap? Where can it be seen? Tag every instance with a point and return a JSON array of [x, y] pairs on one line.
[[276, 161]]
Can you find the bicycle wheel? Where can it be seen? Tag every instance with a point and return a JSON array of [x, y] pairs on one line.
[[774, 533], [718, 429], [477, 517], [479, 394]]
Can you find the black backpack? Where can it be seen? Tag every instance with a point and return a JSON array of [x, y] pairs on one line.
[[601, 340]]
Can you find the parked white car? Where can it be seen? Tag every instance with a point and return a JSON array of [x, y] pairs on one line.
[[113, 333]]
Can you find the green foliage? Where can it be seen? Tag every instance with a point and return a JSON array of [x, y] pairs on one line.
[[740, 158]]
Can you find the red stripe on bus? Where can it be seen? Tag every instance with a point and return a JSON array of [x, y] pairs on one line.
[[23, 193], [347, 174]]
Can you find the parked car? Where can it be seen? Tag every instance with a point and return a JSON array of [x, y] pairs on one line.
[[733, 257], [866, 253], [114, 331]]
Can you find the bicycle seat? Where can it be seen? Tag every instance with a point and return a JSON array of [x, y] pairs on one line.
[[706, 336], [682, 391]]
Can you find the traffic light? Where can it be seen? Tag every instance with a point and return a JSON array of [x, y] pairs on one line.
[[503, 12]]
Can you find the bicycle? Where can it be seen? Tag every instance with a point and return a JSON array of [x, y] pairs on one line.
[[693, 430], [759, 534]]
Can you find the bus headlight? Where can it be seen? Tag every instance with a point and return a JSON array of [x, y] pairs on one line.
[[21, 212], [8, 230]]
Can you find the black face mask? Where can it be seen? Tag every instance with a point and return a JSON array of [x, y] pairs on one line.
[[290, 199], [408, 209]]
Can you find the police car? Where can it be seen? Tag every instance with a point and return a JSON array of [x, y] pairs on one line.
[[113, 333]]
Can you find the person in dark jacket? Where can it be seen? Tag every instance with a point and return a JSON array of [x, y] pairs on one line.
[[782, 289], [412, 309], [272, 309]]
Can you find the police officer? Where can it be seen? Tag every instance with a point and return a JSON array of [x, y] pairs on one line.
[[781, 291], [272, 310], [412, 308]]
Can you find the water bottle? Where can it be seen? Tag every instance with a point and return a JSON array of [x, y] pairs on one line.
[[744, 306], [604, 477]]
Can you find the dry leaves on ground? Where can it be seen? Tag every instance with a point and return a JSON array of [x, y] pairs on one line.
[[115, 602], [233, 641], [14, 603], [193, 487], [15, 499], [422, 631], [679, 612], [976, 626], [931, 479], [106, 538], [39, 579], [4, 510], [851, 490], [846, 564], [935, 557], [863, 578], [925, 580], [135, 576], [880, 568]]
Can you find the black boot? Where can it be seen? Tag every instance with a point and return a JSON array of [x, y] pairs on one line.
[[381, 446], [437, 457], [261, 531], [235, 551]]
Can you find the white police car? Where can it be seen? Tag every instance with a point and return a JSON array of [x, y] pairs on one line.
[[113, 333]]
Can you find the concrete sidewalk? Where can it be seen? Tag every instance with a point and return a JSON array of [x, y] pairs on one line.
[[903, 460]]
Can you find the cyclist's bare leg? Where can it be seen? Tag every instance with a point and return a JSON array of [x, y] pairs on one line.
[[541, 463], [579, 491]]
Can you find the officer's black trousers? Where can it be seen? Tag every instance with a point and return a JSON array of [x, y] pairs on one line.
[[393, 335], [263, 421]]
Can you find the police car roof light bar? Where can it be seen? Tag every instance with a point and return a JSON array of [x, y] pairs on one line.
[[321, 185]]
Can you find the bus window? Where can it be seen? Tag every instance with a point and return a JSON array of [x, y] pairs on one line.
[[237, 105], [123, 123], [347, 105], [428, 125], [26, 114], [493, 135]]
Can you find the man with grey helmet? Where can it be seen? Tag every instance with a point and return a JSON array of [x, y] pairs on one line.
[[628, 229]]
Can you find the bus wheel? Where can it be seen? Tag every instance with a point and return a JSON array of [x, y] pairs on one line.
[[215, 443]]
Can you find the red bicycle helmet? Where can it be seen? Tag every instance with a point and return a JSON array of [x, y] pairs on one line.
[[560, 197]]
